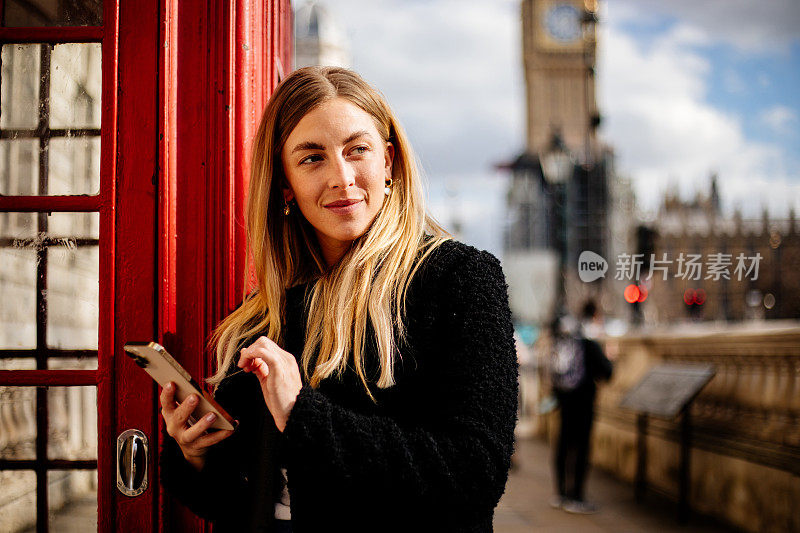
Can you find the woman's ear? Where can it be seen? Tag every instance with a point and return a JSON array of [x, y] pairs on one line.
[[288, 194], [389, 159]]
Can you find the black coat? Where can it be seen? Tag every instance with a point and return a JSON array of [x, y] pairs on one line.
[[432, 453]]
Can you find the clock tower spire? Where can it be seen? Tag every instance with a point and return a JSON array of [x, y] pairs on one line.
[[559, 57]]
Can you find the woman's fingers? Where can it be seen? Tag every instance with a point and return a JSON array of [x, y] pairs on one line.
[[198, 428], [260, 357], [260, 369], [269, 352], [257, 367], [179, 416], [167, 398], [193, 440], [186, 408], [266, 359], [210, 439]]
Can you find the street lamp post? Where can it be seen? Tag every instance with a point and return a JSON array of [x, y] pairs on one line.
[[588, 27], [557, 168]]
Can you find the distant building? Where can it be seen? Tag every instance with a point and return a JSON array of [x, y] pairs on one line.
[[318, 39], [728, 247]]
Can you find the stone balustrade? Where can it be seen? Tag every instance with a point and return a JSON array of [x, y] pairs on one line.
[[745, 456]]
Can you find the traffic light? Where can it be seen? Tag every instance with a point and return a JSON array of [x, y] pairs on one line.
[[694, 300], [635, 293]]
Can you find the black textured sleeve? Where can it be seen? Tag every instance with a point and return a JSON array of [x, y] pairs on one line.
[[457, 456]]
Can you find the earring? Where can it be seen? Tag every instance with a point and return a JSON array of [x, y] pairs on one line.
[[286, 209], [388, 188]]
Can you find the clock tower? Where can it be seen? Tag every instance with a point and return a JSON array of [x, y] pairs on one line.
[[558, 198], [559, 57]]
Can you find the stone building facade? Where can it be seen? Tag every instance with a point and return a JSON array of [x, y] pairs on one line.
[[318, 38], [748, 268]]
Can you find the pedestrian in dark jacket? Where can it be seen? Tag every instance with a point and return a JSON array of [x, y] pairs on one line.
[[577, 363], [373, 372]]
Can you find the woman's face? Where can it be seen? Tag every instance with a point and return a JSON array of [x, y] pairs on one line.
[[337, 164]]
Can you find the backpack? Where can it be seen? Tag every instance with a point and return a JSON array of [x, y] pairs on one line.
[[568, 364]]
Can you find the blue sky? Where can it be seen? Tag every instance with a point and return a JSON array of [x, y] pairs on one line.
[[720, 80], [685, 88], [752, 84]]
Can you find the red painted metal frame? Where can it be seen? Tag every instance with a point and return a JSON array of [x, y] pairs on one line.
[[106, 380], [133, 393], [63, 34], [50, 464], [52, 203], [181, 103], [103, 203], [47, 378], [217, 69]]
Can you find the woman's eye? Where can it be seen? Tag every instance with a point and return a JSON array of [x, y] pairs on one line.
[[359, 150], [311, 159]]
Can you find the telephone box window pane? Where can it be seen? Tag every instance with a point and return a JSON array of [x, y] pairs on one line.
[[19, 166], [16, 226], [18, 419], [58, 253], [74, 165], [87, 362], [24, 13], [50, 113], [72, 423], [18, 289], [75, 85], [72, 500], [72, 296], [20, 86], [76, 225], [18, 363], [18, 500]]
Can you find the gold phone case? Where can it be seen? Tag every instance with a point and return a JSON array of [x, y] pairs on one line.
[[162, 367]]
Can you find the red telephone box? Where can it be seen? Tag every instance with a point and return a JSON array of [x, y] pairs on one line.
[[125, 129]]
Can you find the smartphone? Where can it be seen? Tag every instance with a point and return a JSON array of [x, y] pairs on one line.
[[163, 368]]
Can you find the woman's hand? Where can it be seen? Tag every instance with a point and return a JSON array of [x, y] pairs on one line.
[[193, 440], [277, 371]]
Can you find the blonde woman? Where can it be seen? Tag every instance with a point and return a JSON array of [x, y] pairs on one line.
[[373, 372]]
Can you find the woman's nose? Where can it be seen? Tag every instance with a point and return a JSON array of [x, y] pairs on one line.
[[342, 174]]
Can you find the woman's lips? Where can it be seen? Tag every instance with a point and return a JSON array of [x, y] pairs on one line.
[[343, 207]]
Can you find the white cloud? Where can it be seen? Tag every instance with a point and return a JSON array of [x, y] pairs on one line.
[[451, 70], [664, 131], [780, 119], [756, 26]]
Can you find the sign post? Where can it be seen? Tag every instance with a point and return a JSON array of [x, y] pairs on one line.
[[667, 391]]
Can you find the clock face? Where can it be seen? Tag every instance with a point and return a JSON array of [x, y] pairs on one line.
[[563, 23]]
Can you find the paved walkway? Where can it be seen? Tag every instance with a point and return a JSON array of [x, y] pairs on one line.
[[525, 508]]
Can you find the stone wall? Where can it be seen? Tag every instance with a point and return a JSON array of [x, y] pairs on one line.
[[745, 456]]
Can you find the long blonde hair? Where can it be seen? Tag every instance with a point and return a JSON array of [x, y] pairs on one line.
[[371, 279]]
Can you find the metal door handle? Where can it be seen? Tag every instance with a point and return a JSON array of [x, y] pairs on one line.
[[132, 455]]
